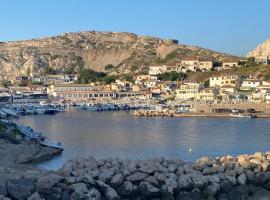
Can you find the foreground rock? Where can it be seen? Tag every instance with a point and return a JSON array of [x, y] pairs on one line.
[[228, 178]]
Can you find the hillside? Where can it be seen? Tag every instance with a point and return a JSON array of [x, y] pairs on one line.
[[259, 72], [127, 52], [261, 50]]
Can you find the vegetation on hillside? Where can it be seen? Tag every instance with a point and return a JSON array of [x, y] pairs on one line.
[[172, 76]]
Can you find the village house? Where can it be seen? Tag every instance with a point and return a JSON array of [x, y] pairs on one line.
[[229, 63], [208, 94], [166, 86], [137, 88], [140, 80], [124, 85], [156, 70], [189, 64], [20, 80], [60, 79], [262, 60], [194, 64], [227, 89], [188, 91], [224, 80], [36, 78], [205, 65], [250, 84]]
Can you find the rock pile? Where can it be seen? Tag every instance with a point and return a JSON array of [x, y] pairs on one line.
[[232, 178], [153, 113]]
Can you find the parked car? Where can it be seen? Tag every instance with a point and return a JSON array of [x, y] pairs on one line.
[[251, 110]]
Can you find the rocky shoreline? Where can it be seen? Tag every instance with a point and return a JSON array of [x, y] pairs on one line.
[[222, 178], [232, 178]]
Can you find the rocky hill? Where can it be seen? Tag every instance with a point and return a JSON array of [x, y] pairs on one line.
[[127, 52], [261, 50]]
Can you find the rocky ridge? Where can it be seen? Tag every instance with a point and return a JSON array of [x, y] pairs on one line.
[[261, 50], [127, 52], [232, 178]]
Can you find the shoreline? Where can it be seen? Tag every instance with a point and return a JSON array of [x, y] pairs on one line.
[[222, 178], [190, 114]]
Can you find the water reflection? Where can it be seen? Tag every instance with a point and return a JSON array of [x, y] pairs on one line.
[[119, 134]]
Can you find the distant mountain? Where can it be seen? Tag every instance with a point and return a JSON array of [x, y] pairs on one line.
[[261, 50], [127, 52]]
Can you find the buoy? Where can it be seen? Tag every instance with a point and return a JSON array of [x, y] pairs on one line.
[[190, 150]]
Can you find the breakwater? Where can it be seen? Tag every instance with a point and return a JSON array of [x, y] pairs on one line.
[[241, 177]]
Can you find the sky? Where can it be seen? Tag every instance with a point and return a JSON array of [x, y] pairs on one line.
[[230, 26]]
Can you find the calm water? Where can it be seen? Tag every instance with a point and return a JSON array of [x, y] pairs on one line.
[[111, 134]]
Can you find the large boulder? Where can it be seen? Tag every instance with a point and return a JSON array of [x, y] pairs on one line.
[[20, 189], [185, 182], [48, 181], [243, 161], [239, 192], [117, 180], [79, 187], [108, 192], [242, 179], [148, 190], [34, 196], [125, 189], [262, 195], [94, 194], [138, 176]]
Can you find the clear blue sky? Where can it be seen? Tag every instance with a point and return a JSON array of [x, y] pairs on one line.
[[231, 26]]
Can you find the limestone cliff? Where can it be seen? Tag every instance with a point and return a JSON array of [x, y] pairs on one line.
[[261, 50], [127, 52]]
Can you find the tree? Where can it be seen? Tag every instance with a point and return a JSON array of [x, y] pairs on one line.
[[5, 83], [69, 70], [109, 67], [171, 76], [251, 62], [129, 78], [48, 70], [88, 76], [109, 79]]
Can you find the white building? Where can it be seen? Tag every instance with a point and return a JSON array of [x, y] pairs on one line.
[[226, 80], [228, 64], [264, 60], [155, 70], [205, 65], [250, 84], [188, 91]]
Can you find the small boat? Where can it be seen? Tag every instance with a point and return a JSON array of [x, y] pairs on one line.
[[56, 145], [10, 112], [2, 114], [241, 115], [50, 111], [40, 110]]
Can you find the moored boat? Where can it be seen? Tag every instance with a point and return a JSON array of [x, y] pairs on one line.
[[241, 115]]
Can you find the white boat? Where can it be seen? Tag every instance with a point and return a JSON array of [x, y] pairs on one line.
[[30, 110], [10, 112], [3, 114], [40, 110], [241, 115], [52, 144]]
